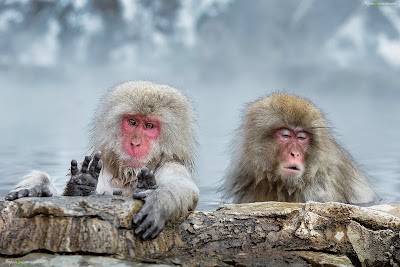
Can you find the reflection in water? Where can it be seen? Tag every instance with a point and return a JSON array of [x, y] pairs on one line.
[[59, 58]]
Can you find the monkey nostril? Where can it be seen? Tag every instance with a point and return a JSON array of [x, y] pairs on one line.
[[295, 154]]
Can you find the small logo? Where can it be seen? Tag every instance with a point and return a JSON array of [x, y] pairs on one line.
[[376, 3]]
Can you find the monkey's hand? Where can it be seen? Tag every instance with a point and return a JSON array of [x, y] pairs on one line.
[[83, 182], [151, 218], [34, 184], [146, 180], [36, 191]]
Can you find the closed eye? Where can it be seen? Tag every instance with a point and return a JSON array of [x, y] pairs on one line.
[[285, 133], [302, 136]]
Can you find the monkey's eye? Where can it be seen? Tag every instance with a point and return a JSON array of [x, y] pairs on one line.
[[302, 136], [132, 122], [285, 133], [149, 125]]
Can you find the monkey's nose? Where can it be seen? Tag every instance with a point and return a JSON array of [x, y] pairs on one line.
[[135, 143], [295, 154]]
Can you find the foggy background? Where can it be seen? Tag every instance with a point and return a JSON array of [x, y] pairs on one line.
[[57, 58]]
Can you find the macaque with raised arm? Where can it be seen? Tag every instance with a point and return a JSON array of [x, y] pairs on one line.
[[284, 151], [143, 133]]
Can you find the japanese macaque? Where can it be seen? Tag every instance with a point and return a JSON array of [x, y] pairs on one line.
[[145, 134], [284, 151]]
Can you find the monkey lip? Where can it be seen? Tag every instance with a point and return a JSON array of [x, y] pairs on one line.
[[292, 169]]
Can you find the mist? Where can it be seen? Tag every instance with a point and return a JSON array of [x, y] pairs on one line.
[[58, 58]]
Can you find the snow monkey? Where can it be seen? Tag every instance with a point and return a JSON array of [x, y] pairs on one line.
[[284, 151], [143, 130]]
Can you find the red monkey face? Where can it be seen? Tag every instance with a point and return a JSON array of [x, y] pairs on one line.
[[292, 144], [138, 136]]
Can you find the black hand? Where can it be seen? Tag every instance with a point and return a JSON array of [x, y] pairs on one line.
[[150, 221], [83, 182], [151, 218], [146, 179]]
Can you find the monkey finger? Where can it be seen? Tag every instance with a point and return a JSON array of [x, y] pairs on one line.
[[97, 169], [12, 196], [97, 155], [142, 214], [117, 192], [144, 226], [46, 192], [139, 195], [139, 217], [23, 193], [74, 167], [144, 172], [139, 230], [157, 229], [140, 178], [33, 192], [85, 164], [150, 232], [87, 159], [94, 162]]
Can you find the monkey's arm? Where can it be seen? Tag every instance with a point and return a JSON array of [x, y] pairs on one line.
[[175, 196], [34, 184]]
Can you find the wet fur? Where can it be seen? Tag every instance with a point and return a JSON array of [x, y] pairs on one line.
[[171, 157], [330, 172]]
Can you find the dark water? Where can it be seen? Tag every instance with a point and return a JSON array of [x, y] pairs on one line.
[[345, 58]]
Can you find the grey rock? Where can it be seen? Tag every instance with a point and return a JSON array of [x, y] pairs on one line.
[[255, 234]]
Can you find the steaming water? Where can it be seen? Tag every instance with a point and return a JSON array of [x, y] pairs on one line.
[[55, 66]]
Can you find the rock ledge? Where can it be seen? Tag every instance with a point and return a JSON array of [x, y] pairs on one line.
[[257, 234]]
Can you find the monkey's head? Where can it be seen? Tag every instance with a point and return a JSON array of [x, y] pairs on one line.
[[139, 121], [292, 129]]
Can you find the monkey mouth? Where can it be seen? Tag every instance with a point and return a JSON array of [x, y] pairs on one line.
[[292, 167], [292, 170]]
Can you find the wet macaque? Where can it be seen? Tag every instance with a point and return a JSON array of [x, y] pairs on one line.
[[143, 146], [284, 151]]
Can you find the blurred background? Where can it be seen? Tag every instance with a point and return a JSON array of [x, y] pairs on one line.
[[57, 58]]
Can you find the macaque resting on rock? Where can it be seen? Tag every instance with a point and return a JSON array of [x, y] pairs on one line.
[[284, 151], [145, 134]]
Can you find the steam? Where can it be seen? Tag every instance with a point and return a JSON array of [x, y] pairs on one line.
[[57, 58]]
